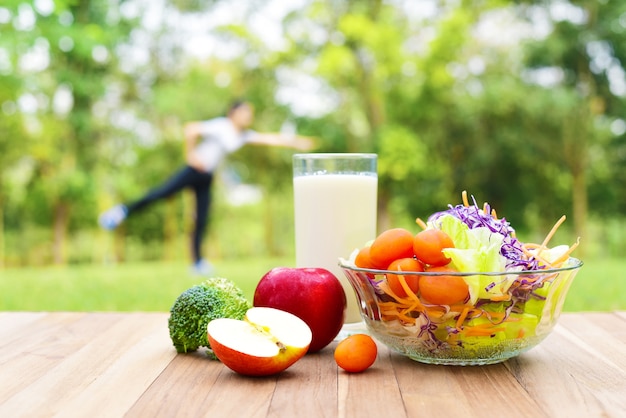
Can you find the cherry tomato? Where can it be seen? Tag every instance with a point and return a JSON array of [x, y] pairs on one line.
[[390, 245], [362, 259], [412, 280], [428, 244], [443, 289], [356, 353]]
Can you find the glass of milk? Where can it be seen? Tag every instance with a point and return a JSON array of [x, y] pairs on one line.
[[335, 199]]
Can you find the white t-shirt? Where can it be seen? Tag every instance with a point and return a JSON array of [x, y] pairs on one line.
[[219, 138]]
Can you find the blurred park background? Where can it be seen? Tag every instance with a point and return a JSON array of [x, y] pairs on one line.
[[521, 103]]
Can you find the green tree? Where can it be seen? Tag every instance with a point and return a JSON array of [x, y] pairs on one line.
[[10, 141], [93, 99], [73, 44], [587, 46]]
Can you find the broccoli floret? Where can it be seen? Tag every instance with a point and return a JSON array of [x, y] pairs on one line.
[[193, 310]]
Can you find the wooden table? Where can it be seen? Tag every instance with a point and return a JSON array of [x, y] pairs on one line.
[[123, 364]]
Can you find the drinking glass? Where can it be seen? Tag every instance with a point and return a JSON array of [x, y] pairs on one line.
[[335, 199]]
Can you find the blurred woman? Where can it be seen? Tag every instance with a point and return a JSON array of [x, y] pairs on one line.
[[207, 143]]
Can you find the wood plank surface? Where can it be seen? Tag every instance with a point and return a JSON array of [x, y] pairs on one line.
[[455, 391], [568, 374], [123, 364], [77, 362], [310, 386]]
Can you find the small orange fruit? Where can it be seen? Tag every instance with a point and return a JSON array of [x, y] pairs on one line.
[[428, 245], [412, 280], [362, 259], [443, 289], [356, 353], [390, 245]]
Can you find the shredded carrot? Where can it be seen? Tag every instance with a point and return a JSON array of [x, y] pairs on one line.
[[421, 223], [509, 319], [494, 214], [550, 234], [406, 319], [403, 301], [462, 317], [407, 289], [391, 316], [477, 331], [501, 298], [486, 328], [459, 308], [537, 256], [401, 307], [408, 313], [415, 307], [493, 317], [566, 255], [398, 306], [464, 197], [435, 312], [401, 314], [540, 247]]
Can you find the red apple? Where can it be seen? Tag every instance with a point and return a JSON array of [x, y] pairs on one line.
[[313, 294], [265, 342]]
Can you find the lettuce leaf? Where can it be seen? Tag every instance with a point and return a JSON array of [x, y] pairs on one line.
[[476, 250]]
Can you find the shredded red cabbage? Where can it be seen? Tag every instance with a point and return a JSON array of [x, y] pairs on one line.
[[475, 217]]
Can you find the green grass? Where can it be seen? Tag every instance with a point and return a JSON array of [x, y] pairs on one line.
[[599, 286], [149, 286]]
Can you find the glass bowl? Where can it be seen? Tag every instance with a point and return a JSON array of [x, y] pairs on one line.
[[511, 314]]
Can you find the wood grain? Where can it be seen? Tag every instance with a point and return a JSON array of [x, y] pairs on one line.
[[123, 364], [82, 363], [569, 375]]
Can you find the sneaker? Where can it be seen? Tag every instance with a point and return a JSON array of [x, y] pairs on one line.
[[202, 268], [113, 217]]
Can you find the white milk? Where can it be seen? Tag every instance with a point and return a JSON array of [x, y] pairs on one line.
[[334, 214]]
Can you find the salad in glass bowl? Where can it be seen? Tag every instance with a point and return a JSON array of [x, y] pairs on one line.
[[464, 290]]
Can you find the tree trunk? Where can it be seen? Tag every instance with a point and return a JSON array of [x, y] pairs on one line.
[[2, 254], [383, 219], [575, 152], [580, 207], [61, 220]]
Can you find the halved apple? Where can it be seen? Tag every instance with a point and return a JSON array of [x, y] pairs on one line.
[[265, 342]]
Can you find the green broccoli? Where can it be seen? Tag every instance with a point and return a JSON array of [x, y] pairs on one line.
[[193, 310]]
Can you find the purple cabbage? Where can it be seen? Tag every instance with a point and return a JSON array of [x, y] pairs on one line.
[[475, 217]]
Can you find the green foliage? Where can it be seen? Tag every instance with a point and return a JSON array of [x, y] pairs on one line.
[[446, 110], [401, 154], [192, 5], [197, 306]]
